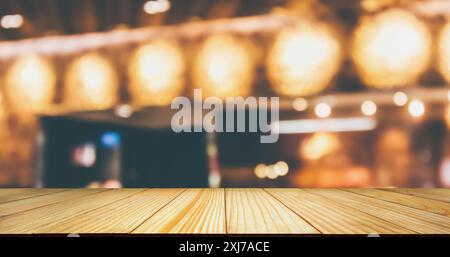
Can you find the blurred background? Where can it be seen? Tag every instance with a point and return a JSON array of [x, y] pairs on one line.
[[86, 87]]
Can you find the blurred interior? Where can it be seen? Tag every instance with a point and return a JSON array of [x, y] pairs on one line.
[[86, 87]]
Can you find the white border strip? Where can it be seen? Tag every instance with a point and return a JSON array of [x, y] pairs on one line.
[[323, 125]]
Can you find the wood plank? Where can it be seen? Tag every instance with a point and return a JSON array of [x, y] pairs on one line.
[[438, 194], [122, 216], [14, 194], [407, 217], [430, 205], [330, 217], [30, 221], [194, 211], [6, 192], [256, 211], [40, 200], [218, 211]]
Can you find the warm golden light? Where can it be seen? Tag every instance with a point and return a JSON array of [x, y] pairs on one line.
[[303, 60], [281, 168], [11, 21], [2, 110], [123, 111], [224, 66], [300, 104], [30, 83], [416, 108], [318, 145], [391, 49], [260, 170], [444, 52], [156, 6], [270, 172], [447, 116], [157, 73], [368, 108], [322, 110], [91, 83], [400, 98]]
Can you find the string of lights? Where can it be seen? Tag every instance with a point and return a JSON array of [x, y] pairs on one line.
[[75, 44], [390, 49]]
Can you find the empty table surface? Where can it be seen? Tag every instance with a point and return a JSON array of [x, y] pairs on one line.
[[225, 211]]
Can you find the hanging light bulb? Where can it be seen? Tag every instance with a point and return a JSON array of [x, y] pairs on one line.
[[91, 83], [393, 48], [224, 67], [157, 73], [30, 83], [303, 60]]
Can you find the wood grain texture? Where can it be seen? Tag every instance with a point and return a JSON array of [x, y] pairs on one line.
[[330, 217], [121, 216], [30, 221], [430, 205], [40, 200], [219, 211], [438, 194], [194, 211], [254, 211], [413, 219], [14, 194]]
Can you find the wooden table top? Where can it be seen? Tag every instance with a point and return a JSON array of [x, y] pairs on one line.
[[225, 211]]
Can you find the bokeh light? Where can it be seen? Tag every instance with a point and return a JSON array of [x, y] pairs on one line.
[[444, 51], [156, 6], [368, 108], [123, 111], [318, 145], [300, 104], [260, 170], [11, 21], [416, 108], [91, 83], [157, 73], [270, 172], [392, 48], [303, 60], [281, 168], [30, 83], [322, 110], [84, 155], [224, 66], [400, 98]]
